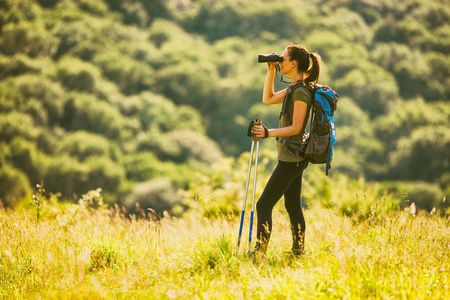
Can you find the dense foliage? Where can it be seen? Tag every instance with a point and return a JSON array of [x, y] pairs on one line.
[[141, 97]]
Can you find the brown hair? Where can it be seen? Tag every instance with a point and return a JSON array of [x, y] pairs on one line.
[[309, 63]]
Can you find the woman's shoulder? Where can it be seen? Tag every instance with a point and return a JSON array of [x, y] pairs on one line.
[[302, 93]]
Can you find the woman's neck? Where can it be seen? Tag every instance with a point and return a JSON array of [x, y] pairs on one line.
[[296, 77]]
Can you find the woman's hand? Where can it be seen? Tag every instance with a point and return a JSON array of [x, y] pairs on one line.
[[260, 131], [271, 67]]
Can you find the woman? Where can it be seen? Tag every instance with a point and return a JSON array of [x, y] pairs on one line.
[[300, 66]]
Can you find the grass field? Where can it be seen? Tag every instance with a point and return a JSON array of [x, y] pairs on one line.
[[74, 252]]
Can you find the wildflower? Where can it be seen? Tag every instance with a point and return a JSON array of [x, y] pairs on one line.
[[412, 209]]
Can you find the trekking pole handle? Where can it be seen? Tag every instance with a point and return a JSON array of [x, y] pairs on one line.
[[254, 137]]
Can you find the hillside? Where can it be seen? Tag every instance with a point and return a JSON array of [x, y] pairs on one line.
[[140, 98]]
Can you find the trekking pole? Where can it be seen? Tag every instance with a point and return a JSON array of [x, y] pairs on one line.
[[257, 122], [246, 191], [250, 160]]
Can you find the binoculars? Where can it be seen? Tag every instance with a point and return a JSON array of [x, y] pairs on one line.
[[273, 57]]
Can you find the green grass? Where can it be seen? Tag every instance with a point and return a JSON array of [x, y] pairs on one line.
[[75, 253]]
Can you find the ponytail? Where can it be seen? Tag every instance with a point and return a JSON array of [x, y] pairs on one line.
[[314, 71]]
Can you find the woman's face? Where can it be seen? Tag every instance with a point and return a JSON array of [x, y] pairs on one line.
[[287, 64]]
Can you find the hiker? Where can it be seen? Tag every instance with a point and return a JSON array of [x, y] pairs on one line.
[[302, 67]]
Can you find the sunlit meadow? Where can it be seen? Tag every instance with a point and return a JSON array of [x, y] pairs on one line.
[[85, 251]]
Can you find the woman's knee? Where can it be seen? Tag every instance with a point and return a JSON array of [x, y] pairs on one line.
[[263, 205]]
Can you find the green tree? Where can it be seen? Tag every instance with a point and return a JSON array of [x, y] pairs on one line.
[[407, 116], [76, 75], [20, 64], [357, 148], [141, 166], [131, 10], [195, 147], [50, 96], [159, 113], [372, 87], [16, 124], [218, 20], [438, 85], [409, 66], [104, 173], [422, 156], [181, 146], [76, 38], [131, 76], [84, 145], [28, 38], [86, 112], [66, 175], [14, 185], [26, 157]]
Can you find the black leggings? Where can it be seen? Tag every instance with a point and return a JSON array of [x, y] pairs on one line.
[[286, 180]]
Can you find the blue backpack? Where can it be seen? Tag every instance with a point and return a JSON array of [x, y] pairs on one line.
[[322, 135], [317, 144]]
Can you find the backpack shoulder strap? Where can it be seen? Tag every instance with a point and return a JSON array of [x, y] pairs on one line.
[[287, 98]]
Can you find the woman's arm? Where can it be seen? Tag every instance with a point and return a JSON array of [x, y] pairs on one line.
[[269, 96], [299, 115]]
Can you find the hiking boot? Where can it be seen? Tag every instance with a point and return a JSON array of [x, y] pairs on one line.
[[296, 252], [258, 252]]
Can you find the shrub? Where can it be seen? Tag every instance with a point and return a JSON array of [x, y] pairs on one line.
[[34, 95], [10, 98], [21, 11], [182, 146], [73, 178], [75, 74], [76, 37], [421, 156], [403, 62], [86, 112], [405, 117], [39, 89], [130, 75], [218, 20], [372, 88], [97, 8], [104, 174], [134, 13], [17, 124], [14, 185], [26, 157], [157, 194], [28, 38], [423, 194], [156, 112], [20, 64], [356, 141], [195, 147], [184, 87], [48, 3], [141, 166], [158, 143], [406, 31], [66, 175], [83, 145]]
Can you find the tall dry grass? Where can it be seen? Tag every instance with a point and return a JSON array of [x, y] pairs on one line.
[[76, 252]]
